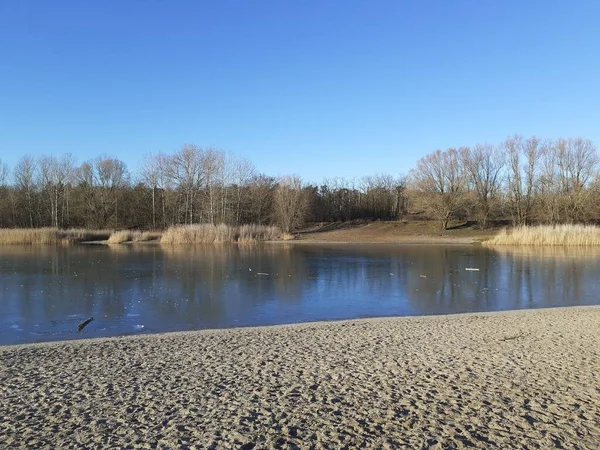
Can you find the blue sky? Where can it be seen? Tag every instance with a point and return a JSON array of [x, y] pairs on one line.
[[317, 88]]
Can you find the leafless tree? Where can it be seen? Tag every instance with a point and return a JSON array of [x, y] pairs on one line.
[[213, 172], [6, 209], [55, 174], [3, 173], [440, 180], [483, 165], [151, 175], [523, 164], [383, 196], [569, 167], [24, 175], [554, 181], [260, 193], [291, 203], [101, 181], [243, 173], [185, 169]]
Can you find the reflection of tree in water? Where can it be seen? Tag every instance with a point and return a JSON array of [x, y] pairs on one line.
[[224, 282], [342, 272], [506, 279], [550, 276], [211, 286], [437, 281]]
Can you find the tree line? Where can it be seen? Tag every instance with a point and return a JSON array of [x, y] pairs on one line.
[[524, 180]]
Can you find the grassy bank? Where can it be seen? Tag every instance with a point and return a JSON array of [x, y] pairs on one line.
[[49, 236], [548, 235], [409, 232], [220, 234]]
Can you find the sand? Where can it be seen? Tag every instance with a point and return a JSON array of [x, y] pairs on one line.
[[523, 379]]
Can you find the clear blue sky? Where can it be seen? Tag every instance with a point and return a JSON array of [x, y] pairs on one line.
[[318, 88]]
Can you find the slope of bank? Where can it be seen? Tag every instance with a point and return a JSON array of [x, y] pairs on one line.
[[417, 232], [521, 379]]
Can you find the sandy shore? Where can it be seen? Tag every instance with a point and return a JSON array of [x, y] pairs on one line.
[[523, 379]]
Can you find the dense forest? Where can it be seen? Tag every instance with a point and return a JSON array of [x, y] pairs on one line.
[[524, 180]]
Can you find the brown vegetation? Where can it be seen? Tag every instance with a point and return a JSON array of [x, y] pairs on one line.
[[123, 236], [219, 234], [548, 235], [524, 180], [48, 236]]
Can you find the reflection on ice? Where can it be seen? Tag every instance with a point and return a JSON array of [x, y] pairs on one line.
[[50, 290]]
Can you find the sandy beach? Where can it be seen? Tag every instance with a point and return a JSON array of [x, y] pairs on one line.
[[521, 379]]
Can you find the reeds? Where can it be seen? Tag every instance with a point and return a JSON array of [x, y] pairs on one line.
[[219, 234], [48, 236], [548, 235], [252, 233], [124, 236]]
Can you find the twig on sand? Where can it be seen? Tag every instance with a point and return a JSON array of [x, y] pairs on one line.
[[83, 324]]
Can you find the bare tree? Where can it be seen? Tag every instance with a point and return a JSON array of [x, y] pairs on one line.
[[213, 169], [3, 173], [291, 203], [523, 161], [24, 174], [260, 193], [383, 196], [555, 181], [150, 174], [243, 173], [101, 181], [185, 169], [440, 180], [569, 167], [5, 207], [55, 173], [483, 165]]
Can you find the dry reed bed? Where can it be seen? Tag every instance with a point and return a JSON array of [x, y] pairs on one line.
[[124, 236], [548, 235], [49, 236], [219, 234]]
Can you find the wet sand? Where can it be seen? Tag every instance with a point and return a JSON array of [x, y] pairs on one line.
[[521, 379]]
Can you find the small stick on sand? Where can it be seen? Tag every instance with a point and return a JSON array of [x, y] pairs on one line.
[[83, 324]]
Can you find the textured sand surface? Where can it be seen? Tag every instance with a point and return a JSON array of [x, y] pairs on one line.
[[528, 379]]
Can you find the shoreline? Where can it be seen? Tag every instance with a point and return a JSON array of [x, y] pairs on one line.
[[276, 327], [508, 379]]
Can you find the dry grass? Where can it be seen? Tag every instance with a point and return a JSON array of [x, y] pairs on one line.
[[120, 237], [219, 234], [83, 235], [253, 233], [24, 236], [145, 236], [548, 235], [48, 236], [123, 236]]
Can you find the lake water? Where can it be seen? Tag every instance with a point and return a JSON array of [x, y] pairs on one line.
[[46, 292]]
